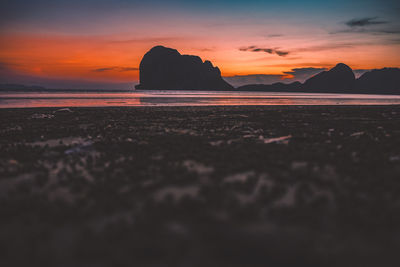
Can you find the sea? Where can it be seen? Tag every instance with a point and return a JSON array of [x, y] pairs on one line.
[[185, 98]]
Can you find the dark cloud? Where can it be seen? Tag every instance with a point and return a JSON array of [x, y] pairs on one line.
[[118, 69], [302, 74], [369, 31], [395, 41], [330, 46], [390, 31], [128, 69], [254, 48], [341, 45], [365, 22], [103, 69], [281, 53], [366, 25]]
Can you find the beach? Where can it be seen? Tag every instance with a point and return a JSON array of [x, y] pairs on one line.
[[200, 186]]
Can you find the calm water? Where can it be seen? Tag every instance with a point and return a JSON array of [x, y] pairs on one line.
[[186, 98]]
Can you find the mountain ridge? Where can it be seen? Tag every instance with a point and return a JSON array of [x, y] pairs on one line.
[[339, 79]]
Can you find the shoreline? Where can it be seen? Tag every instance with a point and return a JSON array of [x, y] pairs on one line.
[[212, 91], [189, 99]]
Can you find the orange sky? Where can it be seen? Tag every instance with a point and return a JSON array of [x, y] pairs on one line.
[[75, 41], [80, 56]]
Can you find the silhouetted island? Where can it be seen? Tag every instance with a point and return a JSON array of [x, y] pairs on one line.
[[339, 79], [386, 80], [164, 68]]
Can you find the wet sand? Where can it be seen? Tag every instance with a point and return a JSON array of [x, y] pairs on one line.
[[200, 186]]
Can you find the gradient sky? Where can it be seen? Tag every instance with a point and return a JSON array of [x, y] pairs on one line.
[[90, 44]]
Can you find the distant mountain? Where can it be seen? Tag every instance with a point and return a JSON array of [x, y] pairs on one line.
[[275, 87], [11, 87], [164, 68], [339, 79], [384, 81], [21, 87]]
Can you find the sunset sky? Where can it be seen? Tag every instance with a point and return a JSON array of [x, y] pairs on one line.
[[92, 44]]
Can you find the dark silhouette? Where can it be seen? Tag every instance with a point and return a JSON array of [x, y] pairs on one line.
[[338, 79], [8, 87], [385, 81], [21, 87], [164, 68]]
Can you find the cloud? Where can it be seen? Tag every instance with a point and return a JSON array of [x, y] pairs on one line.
[[302, 74], [118, 69], [366, 25], [254, 48], [362, 22], [371, 26], [297, 74], [103, 69], [317, 48], [128, 69], [369, 31], [394, 41], [326, 47], [340, 45], [205, 49], [359, 72], [281, 53]]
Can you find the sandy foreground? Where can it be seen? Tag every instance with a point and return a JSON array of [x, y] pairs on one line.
[[200, 186]]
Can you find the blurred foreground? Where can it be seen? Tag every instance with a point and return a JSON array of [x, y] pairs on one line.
[[200, 186]]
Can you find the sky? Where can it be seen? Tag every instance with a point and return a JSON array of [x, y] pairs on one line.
[[99, 44]]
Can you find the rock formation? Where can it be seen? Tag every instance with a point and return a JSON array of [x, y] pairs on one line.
[[382, 81], [164, 68], [338, 79]]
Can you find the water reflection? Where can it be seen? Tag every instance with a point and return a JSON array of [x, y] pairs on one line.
[[187, 98]]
